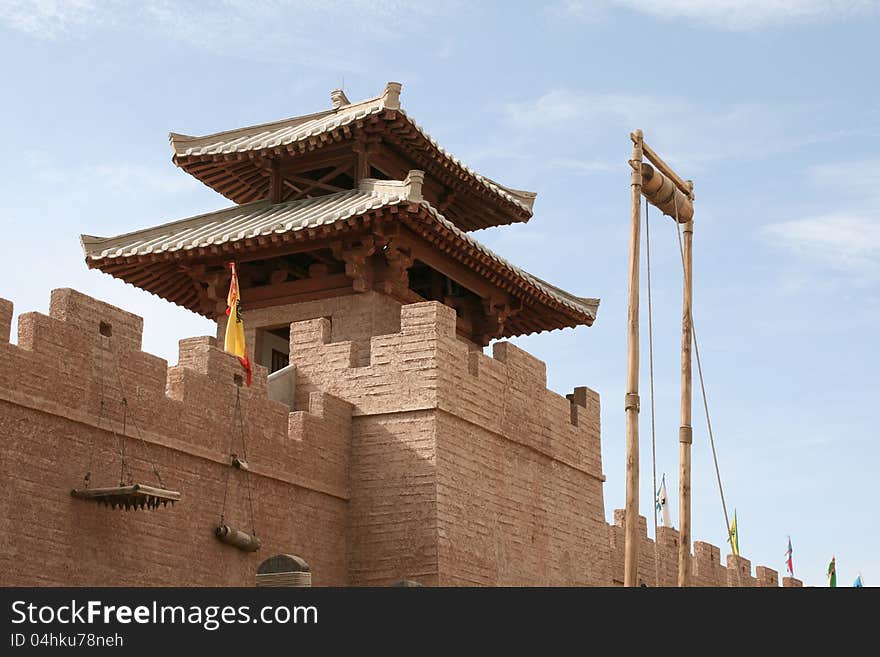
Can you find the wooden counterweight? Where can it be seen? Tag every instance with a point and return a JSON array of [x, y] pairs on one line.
[[661, 192], [242, 540]]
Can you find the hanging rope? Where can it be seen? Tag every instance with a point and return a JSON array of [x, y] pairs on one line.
[[238, 415], [705, 400], [125, 472], [123, 466], [104, 417], [247, 475], [134, 423], [651, 377], [87, 479]]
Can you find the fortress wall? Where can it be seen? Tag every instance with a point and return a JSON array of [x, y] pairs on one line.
[[510, 515], [393, 394], [444, 440], [393, 520], [181, 419], [423, 459]]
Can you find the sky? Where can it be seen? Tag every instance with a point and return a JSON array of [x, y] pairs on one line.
[[771, 107]]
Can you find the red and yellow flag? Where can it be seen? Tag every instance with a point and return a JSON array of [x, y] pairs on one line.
[[235, 326]]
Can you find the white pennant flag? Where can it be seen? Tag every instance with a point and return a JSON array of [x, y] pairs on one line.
[[662, 505]]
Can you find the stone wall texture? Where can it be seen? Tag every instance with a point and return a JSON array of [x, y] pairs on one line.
[[409, 455]]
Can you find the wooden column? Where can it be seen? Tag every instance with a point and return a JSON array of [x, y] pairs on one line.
[[276, 183], [685, 432], [363, 147], [631, 405]]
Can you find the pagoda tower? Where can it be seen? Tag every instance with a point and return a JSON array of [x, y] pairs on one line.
[[346, 214], [367, 304]]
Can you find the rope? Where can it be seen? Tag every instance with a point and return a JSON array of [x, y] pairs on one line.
[[87, 479], [651, 370], [237, 414], [247, 474], [102, 415], [122, 463], [703, 392], [134, 423]]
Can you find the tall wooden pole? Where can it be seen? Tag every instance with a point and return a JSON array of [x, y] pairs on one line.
[[685, 432], [631, 405]]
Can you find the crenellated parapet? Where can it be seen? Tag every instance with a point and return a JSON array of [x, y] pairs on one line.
[[77, 383], [707, 568], [408, 454], [86, 352], [425, 366]]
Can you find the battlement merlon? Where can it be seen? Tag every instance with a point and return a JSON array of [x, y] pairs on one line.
[[6, 309], [89, 314]]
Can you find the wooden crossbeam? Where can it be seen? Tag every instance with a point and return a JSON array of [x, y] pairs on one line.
[[668, 171]]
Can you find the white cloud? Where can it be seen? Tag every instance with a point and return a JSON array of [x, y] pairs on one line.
[[689, 135], [46, 18], [581, 167], [586, 10], [856, 178], [561, 106], [844, 241], [737, 15], [256, 29], [124, 180]]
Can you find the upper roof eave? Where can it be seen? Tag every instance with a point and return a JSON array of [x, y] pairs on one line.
[[283, 133]]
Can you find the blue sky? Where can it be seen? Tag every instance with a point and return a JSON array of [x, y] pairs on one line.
[[770, 106]]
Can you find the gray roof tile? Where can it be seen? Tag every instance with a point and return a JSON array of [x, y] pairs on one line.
[[262, 218]]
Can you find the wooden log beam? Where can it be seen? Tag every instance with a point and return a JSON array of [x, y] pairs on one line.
[[290, 289], [662, 193], [667, 170], [322, 182], [308, 184]]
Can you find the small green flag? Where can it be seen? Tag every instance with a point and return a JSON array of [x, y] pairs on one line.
[[832, 574]]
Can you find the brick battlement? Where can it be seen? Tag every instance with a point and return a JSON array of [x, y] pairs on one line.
[[63, 359], [50, 393], [425, 366], [409, 455], [706, 566]]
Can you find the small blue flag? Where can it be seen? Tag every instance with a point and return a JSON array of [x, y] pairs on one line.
[[858, 583]]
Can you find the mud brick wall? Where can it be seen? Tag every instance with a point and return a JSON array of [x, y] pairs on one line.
[[392, 476], [50, 399], [409, 455], [465, 469]]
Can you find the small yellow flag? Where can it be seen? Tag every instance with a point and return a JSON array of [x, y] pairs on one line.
[[235, 326], [734, 536]]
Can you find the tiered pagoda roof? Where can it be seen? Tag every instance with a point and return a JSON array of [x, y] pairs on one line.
[[303, 233], [237, 163]]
